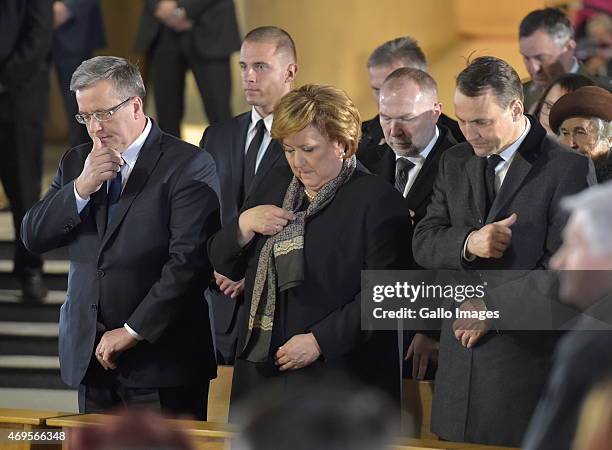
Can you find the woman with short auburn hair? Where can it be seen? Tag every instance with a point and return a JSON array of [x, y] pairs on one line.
[[301, 241]]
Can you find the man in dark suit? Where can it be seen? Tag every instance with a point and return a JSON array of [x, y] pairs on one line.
[[583, 357], [392, 55], [495, 206], [25, 44], [199, 35], [135, 212], [78, 31], [409, 111], [244, 153], [546, 41]]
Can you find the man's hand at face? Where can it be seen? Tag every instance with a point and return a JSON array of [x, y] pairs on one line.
[[102, 164], [112, 344]]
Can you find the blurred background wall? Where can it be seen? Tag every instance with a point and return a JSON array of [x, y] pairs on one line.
[[334, 39]]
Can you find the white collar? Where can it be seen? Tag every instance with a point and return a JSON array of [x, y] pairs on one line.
[[256, 117], [575, 67], [423, 153], [130, 154]]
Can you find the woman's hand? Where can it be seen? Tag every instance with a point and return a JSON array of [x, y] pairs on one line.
[[228, 287], [263, 219], [298, 352]]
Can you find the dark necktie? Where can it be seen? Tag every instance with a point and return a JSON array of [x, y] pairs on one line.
[[402, 168], [250, 159], [113, 195], [492, 162]]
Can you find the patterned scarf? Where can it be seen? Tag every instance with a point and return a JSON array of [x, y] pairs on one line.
[[281, 261]]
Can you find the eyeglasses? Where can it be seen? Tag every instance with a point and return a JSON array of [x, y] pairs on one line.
[[101, 116]]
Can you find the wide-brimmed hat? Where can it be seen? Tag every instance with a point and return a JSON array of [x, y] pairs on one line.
[[587, 101]]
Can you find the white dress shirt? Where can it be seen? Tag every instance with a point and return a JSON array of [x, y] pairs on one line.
[[129, 156], [251, 132], [418, 161]]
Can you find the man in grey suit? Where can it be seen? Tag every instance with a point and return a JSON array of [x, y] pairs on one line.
[[245, 152], [495, 206]]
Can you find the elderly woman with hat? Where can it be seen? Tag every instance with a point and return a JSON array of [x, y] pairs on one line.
[[582, 120], [301, 241]]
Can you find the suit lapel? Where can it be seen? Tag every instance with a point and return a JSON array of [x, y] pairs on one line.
[[521, 165], [475, 170], [273, 152], [237, 158], [422, 186], [386, 162], [147, 159]]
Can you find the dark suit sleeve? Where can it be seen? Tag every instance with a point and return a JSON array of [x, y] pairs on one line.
[[51, 221], [80, 8], [387, 234], [574, 180], [33, 46], [437, 244], [195, 8], [194, 216], [203, 139]]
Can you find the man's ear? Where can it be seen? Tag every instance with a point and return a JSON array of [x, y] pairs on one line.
[[138, 108], [517, 109], [291, 73]]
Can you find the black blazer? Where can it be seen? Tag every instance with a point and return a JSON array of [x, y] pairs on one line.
[[26, 27], [148, 267], [214, 33], [226, 143], [83, 32], [366, 226], [380, 160], [506, 371]]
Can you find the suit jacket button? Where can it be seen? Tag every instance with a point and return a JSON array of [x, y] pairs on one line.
[[479, 220], [67, 228], [100, 273], [94, 307]]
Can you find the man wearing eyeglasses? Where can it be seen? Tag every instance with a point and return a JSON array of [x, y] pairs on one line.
[[134, 209]]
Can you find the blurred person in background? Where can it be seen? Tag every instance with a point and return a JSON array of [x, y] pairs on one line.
[[546, 40], [189, 35], [582, 120], [334, 414], [583, 356], [26, 28], [78, 30], [557, 89], [595, 425]]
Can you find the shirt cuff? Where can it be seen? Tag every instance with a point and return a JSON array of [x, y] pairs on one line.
[[132, 332], [464, 253], [81, 202]]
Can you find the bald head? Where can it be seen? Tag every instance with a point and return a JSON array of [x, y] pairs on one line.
[[409, 110]]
